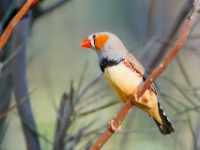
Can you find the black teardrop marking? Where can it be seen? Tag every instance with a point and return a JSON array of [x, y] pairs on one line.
[[105, 62]]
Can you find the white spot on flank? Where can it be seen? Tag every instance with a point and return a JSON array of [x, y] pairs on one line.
[[164, 114], [161, 65]]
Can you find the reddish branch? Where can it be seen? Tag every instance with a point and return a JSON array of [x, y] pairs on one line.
[[11, 26], [155, 74]]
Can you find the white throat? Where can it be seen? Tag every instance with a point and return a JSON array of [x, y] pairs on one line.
[[114, 55]]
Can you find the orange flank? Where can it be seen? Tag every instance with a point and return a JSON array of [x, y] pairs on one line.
[[127, 64]]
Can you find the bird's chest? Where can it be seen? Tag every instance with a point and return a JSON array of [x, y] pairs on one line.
[[123, 80]]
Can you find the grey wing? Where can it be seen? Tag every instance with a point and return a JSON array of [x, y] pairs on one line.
[[136, 64]]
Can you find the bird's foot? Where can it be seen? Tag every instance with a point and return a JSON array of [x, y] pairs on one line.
[[145, 98], [136, 99]]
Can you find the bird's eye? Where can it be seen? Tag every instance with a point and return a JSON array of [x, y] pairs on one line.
[[94, 36]]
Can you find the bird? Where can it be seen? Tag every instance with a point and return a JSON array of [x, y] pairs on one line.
[[124, 73]]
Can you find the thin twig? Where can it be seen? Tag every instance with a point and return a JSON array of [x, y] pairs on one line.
[[14, 22], [183, 71], [186, 76], [93, 101], [103, 87], [42, 11], [182, 89], [141, 89], [129, 124], [192, 131], [169, 102], [67, 113], [177, 101], [181, 103], [186, 109], [28, 125], [60, 117], [174, 31], [98, 108], [16, 105], [94, 81], [148, 44], [151, 17], [197, 132]]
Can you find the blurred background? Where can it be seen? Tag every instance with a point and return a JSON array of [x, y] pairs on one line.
[[71, 103]]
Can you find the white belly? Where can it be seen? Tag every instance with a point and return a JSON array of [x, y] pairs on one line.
[[123, 80]]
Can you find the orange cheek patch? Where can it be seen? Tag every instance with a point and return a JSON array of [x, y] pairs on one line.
[[100, 41]]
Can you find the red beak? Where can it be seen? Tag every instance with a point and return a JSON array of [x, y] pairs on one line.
[[86, 43]]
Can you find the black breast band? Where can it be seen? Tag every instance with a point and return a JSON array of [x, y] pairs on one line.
[[105, 62]]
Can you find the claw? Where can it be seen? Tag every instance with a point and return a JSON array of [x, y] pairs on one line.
[[135, 95]]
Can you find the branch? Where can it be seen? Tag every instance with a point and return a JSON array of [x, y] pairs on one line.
[[192, 131], [38, 12], [20, 84], [14, 22], [66, 113], [13, 107], [141, 89], [180, 20]]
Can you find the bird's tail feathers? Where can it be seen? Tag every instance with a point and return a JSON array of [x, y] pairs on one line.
[[166, 127]]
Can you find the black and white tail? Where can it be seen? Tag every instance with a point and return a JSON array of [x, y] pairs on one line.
[[166, 127]]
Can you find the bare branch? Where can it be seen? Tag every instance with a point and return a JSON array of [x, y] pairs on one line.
[[68, 111], [20, 84], [38, 12], [181, 88], [148, 44], [14, 22], [192, 131], [174, 31], [16, 105], [60, 116], [94, 81]]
